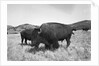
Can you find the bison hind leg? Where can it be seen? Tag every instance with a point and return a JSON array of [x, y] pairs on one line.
[[25, 41], [68, 41]]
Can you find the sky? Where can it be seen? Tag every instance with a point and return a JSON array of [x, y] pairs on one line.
[[36, 14]]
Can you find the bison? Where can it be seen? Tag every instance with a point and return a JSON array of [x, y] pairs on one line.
[[30, 34], [54, 32], [26, 34], [82, 25]]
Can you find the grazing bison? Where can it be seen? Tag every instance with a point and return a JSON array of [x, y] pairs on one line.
[[36, 39], [82, 25], [54, 32], [26, 34], [30, 34]]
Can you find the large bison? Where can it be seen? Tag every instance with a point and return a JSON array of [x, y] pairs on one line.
[[82, 25], [54, 32]]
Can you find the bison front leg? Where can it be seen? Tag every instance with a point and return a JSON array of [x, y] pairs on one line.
[[55, 45], [22, 40], [35, 44], [32, 43], [47, 46]]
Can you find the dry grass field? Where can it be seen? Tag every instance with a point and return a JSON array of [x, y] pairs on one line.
[[79, 49]]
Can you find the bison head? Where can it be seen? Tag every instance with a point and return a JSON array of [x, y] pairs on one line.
[[35, 35]]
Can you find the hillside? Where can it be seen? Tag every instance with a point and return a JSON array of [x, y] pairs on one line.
[[17, 29], [10, 27]]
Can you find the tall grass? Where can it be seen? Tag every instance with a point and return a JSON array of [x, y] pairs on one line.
[[79, 49]]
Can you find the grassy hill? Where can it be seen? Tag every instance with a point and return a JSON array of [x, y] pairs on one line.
[[9, 27], [11, 30], [17, 29]]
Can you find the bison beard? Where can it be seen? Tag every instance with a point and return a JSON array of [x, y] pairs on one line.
[[54, 32], [36, 40]]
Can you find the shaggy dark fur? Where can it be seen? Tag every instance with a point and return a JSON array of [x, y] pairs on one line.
[[54, 32]]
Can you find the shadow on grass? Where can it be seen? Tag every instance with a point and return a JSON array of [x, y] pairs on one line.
[[24, 44], [34, 49]]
